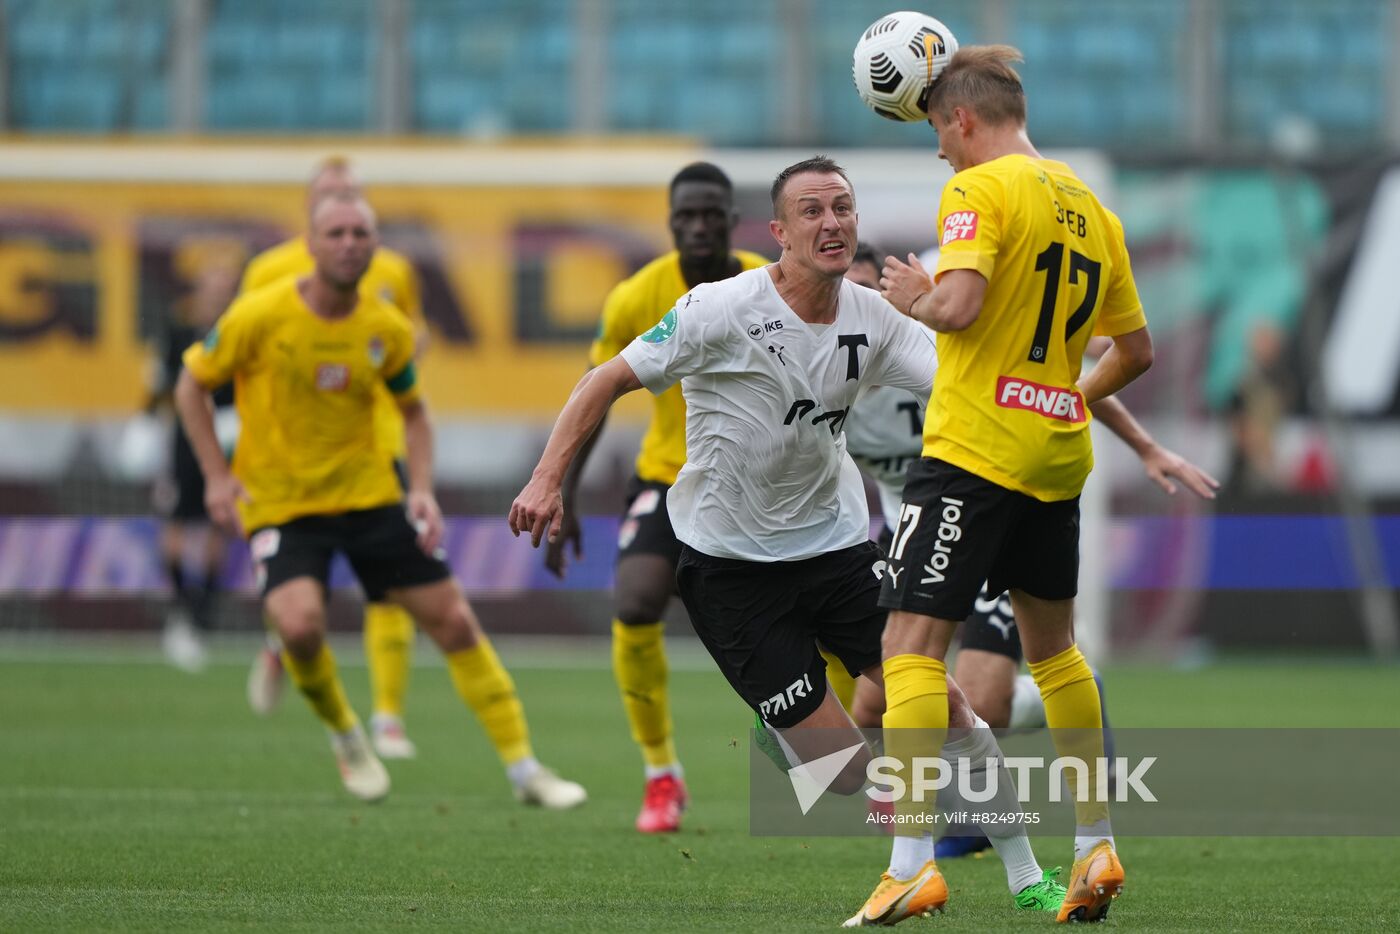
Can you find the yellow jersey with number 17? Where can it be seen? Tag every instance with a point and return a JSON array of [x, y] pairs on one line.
[[1005, 404], [306, 387], [631, 308], [390, 277]]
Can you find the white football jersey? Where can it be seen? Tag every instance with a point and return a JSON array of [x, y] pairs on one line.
[[884, 435], [767, 395]]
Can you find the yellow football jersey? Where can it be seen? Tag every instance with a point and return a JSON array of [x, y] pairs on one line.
[[632, 307], [390, 276], [304, 387], [1005, 403]]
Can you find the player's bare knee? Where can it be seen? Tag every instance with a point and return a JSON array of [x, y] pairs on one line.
[[302, 629], [987, 680], [868, 706], [296, 610], [641, 605], [961, 714], [643, 589], [453, 627], [992, 706], [852, 778]]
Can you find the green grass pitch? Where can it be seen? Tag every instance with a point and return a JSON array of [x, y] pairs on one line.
[[133, 797]]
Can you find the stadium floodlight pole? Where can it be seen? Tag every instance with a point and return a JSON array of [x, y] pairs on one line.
[[392, 67], [186, 74], [1379, 615], [4, 73]]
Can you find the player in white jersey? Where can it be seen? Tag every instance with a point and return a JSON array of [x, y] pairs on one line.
[[769, 507]]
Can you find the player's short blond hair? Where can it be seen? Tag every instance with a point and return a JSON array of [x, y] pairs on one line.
[[980, 78], [337, 164], [343, 197], [332, 174]]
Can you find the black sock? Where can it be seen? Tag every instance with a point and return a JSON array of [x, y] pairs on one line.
[[203, 599], [183, 597]]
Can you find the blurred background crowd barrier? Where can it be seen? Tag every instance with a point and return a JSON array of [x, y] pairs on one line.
[[518, 152]]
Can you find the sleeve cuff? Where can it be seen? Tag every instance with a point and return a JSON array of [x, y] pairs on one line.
[[977, 262], [1122, 324], [650, 372], [206, 377]]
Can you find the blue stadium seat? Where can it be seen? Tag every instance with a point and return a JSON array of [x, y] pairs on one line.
[[1101, 72]]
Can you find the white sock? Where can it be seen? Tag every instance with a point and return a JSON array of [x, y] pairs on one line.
[[1086, 838], [909, 854], [1009, 840], [656, 771], [522, 770], [1027, 708]]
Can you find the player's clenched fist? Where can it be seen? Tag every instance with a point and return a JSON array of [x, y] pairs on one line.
[[903, 284], [537, 510]]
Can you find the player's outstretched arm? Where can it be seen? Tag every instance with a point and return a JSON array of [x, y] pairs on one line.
[[222, 490], [1128, 358], [540, 506], [556, 557], [423, 509], [1162, 465]]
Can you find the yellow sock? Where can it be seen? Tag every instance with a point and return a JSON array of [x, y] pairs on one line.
[[483, 682], [639, 665], [1075, 719], [320, 685], [841, 681], [915, 721], [389, 654]]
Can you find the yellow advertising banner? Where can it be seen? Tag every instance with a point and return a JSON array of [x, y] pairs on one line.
[[513, 278]]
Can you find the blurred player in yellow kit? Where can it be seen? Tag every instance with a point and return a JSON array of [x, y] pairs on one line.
[[388, 628], [701, 218], [310, 357]]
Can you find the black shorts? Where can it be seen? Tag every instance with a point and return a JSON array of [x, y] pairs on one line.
[[991, 627], [957, 532], [380, 544], [180, 497], [646, 525], [762, 623]]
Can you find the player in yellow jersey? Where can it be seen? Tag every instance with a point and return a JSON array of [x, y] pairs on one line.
[[307, 356], [702, 217], [1031, 265], [388, 629]]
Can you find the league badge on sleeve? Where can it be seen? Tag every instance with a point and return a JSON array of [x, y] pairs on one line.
[[376, 351], [662, 330]]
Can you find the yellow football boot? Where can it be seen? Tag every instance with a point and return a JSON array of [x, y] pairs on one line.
[[1094, 882], [893, 900]]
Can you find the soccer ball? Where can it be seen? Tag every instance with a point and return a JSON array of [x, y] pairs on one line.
[[897, 59]]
